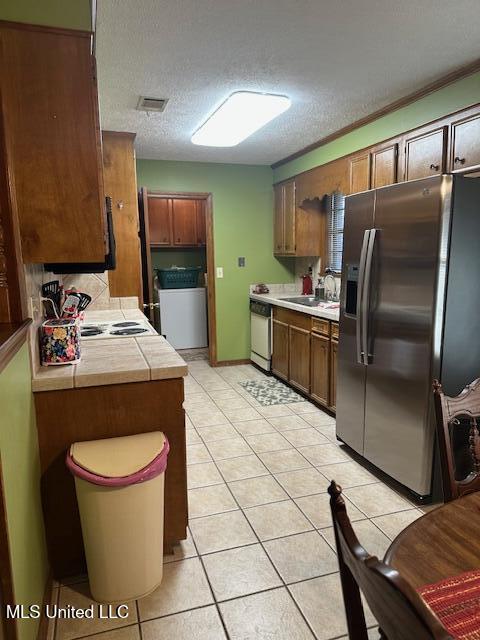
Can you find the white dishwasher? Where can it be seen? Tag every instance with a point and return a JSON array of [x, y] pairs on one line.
[[183, 317], [261, 334]]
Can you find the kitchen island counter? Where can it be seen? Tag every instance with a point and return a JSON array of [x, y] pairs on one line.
[[114, 360]]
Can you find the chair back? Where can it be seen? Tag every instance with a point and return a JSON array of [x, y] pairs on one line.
[[458, 439], [399, 610]]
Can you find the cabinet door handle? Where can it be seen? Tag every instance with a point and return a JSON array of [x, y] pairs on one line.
[[459, 160], [178, 239], [434, 167]]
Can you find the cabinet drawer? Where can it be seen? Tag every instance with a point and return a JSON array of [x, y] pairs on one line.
[[334, 331], [290, 317], [321, 326]]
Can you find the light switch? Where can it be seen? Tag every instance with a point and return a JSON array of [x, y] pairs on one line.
[[241, 262], [219, 272]]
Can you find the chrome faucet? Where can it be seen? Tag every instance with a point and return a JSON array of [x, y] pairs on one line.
[[331, 293]]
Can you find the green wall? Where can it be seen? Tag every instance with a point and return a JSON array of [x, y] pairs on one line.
[[243, 223], [21, 484], [165, 258], [72, 14], [451, 98]]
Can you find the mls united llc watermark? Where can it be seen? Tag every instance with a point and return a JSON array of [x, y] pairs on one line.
[[100, 611]]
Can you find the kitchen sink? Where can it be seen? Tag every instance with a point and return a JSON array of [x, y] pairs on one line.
[[308, 301]]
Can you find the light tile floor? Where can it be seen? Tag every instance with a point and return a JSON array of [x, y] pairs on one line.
[[259, 562]]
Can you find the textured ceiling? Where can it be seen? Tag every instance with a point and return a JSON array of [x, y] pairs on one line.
[[338, 60]]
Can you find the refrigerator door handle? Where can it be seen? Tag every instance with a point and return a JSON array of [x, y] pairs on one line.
[[365, 303], [361, 353]]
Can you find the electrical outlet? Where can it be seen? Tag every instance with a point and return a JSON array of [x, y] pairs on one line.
[[241, 262], [219, 272]]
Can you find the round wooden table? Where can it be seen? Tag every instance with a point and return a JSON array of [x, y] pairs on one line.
[[442, 543]]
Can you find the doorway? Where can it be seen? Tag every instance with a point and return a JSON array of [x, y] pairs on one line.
[[176, 230]]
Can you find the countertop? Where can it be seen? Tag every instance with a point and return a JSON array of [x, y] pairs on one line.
[[278, 301], [114, 360]]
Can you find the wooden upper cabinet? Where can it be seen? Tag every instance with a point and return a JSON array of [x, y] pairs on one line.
[[360, 173], [284, 218], [297, 226], [384, 165], [465, 143], [289, 217], [278, 219], [184, 222], [201, 223], [160, 221], [121, 185], [53, 147], [176, 221], [425, 154]]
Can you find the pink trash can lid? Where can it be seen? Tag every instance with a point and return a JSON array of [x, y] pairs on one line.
[[118, 462]]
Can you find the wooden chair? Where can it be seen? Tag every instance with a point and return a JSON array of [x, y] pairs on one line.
[[397, 607], [454, 416]]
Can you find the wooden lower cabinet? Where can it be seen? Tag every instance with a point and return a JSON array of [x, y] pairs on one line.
[[299, 360], [320, 368], [280, 349], [91, 413], [333, 374], [305, 354]]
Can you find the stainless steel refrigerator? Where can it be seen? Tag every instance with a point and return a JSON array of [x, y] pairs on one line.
[[409, 313]]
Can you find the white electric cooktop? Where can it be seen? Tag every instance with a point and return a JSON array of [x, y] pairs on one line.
[[116, 329]]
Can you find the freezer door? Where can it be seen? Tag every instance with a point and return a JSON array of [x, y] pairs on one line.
[[399, 434], [351, 374]]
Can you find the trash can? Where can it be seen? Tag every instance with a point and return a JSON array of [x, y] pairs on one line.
[[120, 492]]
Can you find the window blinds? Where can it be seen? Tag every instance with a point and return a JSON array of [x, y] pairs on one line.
[[336, 211]]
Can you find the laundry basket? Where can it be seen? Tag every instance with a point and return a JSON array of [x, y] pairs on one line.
[[178, 277], [120, 492]]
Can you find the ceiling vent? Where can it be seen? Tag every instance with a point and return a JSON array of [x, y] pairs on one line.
[[151, 104]]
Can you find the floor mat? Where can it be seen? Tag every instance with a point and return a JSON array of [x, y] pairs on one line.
[[192, 355], [268, 392]]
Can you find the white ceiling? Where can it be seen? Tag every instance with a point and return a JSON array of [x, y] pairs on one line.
[[338, 60]]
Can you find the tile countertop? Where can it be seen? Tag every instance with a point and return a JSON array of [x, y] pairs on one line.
[[114, 361], [319, 312]]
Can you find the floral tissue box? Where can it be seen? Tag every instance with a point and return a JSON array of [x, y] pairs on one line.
[[60, 341]]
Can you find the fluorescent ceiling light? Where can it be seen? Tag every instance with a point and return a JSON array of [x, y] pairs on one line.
[[242, 113]]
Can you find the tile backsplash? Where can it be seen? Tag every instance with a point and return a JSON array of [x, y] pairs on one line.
[[300, 268], [95, 284]]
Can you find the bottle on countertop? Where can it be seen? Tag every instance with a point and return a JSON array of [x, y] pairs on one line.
[[320, 288], [307, 284]]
